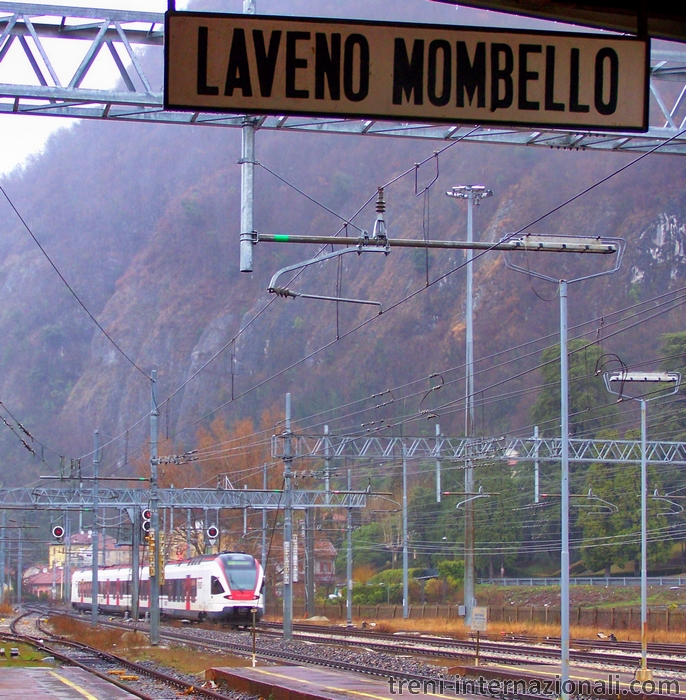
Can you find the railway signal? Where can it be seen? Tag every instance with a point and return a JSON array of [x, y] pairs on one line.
[[58, 532], [212, 534], [146, 517]]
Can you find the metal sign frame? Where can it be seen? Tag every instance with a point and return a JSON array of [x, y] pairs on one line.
[[264, 64]]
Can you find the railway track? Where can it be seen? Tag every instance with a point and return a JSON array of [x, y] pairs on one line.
[[626, 654], [142, 681], [347, 650]]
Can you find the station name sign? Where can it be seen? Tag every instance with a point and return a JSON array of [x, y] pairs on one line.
[[259, 64]]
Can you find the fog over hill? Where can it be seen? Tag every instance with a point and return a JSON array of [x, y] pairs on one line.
[[143, 222]]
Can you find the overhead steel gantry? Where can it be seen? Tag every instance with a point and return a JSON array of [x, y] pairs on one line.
[[447, 449], [77, 498], [456, 449], [39, 33]]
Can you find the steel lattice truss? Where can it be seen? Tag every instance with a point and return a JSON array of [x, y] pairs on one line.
[[331, 447], [460, 449], [76, 498], [39, 33]]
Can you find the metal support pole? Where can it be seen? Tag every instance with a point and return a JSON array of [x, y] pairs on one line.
[[135, 563], [327, 465], [536, 465], [406, 586], [288, 529], [3, 522], [188, 533], [309, 559], [469, 599], [564, 442], [94, 532], [438, 464], [247, 162], [247, 193], [263, 556], [20, 565], [644, 544], [154, 599], [349, 559], [67, 557]]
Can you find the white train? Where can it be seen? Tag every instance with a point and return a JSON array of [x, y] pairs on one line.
[[221, 587]]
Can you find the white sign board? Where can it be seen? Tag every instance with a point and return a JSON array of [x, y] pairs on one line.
[[479, 619], [294, 550], [410, 72]]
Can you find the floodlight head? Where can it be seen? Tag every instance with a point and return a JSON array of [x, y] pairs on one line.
[[476, 192], [656, 384], [637, 377]]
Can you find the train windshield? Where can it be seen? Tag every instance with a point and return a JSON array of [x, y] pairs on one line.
[[241, 571]]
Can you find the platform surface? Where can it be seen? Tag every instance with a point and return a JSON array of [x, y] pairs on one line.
[[66, 683], [604, 682], [303, 683], [311, 683]]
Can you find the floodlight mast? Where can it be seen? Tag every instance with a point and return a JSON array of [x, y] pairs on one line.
[[618, 246], [660, 385], [473, 194]]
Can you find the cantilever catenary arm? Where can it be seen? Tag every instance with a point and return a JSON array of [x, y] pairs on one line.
[[285, 292]]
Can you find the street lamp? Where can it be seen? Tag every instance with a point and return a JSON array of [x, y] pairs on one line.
[[652, 385], [473, 194]]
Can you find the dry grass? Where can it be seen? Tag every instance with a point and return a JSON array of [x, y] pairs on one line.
[[134, 646], [113, 640], [6, 609], [456, 628]]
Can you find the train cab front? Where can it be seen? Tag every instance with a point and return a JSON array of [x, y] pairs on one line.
[[243, 600]]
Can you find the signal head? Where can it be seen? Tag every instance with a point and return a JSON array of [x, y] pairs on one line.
[[58, 532]]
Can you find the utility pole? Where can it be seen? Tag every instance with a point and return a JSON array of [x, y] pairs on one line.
[[94, 531], [135, 564], [263, 555], [154, 520], [67, 557], [438, 464], [287, 528], [473, 194], [188, 533], [536, 465], [3, 522], [20, 566], [247, 163], [406, 583], [349, 559], [309, 559]]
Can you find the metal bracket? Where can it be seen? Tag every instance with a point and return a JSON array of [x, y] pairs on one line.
[[285, 292]]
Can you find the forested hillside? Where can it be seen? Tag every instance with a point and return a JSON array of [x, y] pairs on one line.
[[143, 223]]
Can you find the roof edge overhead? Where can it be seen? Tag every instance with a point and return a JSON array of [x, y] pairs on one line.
[[663, 20]]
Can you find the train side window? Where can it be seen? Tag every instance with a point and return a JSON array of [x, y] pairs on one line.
[[217, 588]]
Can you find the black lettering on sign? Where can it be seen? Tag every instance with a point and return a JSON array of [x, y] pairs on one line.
[[609, 107], [408, 74], [351, 43], [501, 74], [574, 104], [238, 72], [327, 64], [203, 88], [471, 75], [550, 104], [442, 98], [526, 76], [266, 59], [293, 63]]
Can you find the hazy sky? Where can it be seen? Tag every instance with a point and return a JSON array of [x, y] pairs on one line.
[[23, 136]]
